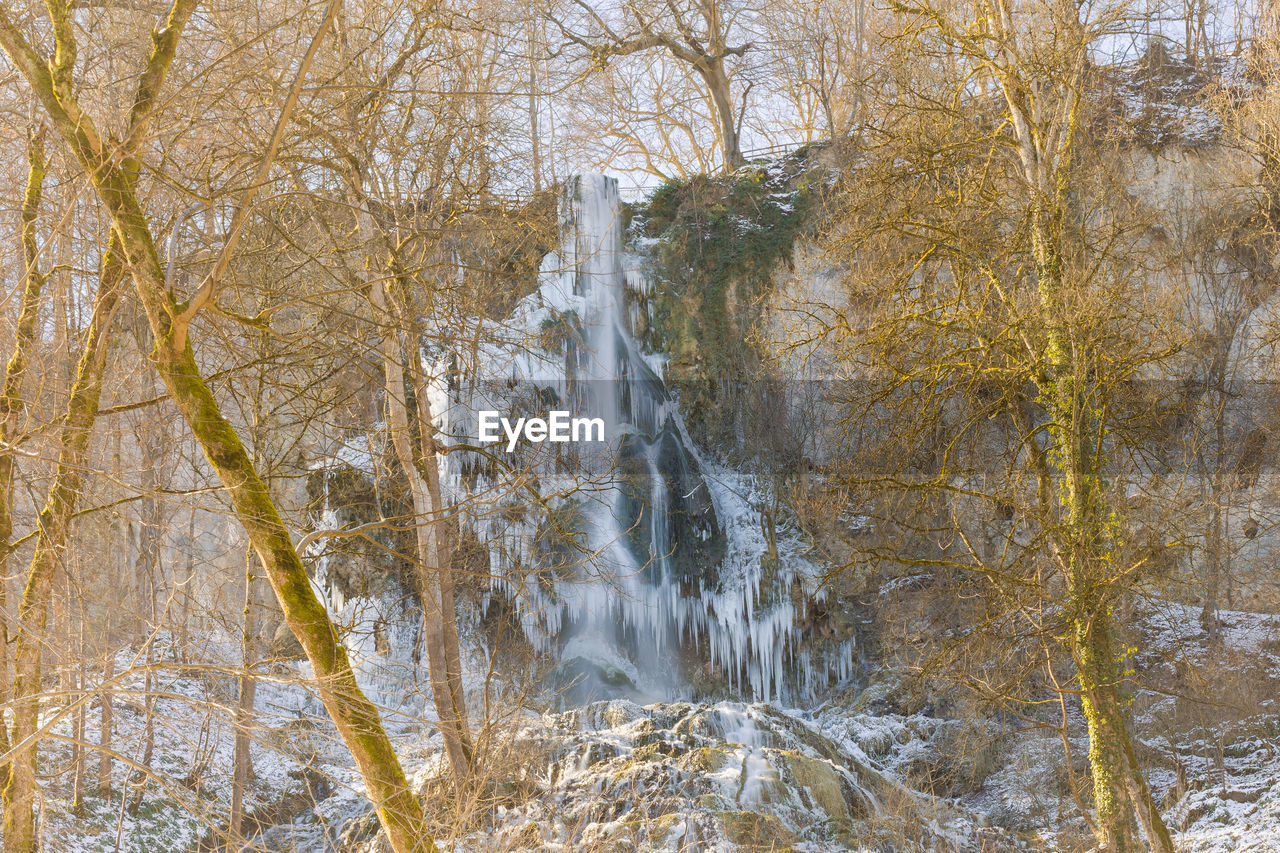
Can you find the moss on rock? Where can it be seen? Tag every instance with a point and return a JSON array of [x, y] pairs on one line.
[[719, 242], [756, 831]]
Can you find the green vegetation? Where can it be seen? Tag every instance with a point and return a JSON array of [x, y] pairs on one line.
[[720, 242], [559, 331]]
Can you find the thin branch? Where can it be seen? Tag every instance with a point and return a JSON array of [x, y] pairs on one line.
[[208, 287]]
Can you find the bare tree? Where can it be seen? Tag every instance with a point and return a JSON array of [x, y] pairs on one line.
[[1014, 294], [699, 34], [15, 374], [53, 525], [53, 82], [821, 64]]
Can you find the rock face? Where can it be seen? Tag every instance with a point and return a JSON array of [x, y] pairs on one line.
[[616, 775]]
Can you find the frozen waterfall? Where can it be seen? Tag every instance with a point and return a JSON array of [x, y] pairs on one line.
[[635, 562]]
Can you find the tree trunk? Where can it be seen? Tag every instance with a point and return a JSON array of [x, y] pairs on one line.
[[356, 718], [188, 580], [421, 469], [712, 73], [535, 142], [147, 571], [443, 555], [1219, 489], [118, 561], [53, 526], [12, 403], [1119, 789], [78, 726], [143, 771], [242, 761], [1077, 453], [1214, 555], [1158, 837], [106, 724], [1096, 666], [439, 626]]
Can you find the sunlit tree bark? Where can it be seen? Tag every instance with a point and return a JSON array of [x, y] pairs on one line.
[[114, 182]]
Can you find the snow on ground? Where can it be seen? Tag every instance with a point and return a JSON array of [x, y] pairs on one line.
[[1238, 807], [1222, 750], [188, 788], [685, 776], [1205, 721], [709, 777]]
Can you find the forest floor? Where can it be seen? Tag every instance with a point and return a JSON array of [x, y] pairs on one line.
[[844, 775]]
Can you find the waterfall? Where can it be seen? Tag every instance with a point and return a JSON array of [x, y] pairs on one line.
[[639, 562]]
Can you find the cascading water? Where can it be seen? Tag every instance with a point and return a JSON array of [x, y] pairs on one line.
[[634, 562]]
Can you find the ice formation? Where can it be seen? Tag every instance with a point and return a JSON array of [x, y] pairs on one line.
[[622, 562]]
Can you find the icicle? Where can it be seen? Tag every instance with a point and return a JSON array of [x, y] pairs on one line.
[[745, 624]]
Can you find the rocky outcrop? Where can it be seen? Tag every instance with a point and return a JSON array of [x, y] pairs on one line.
[[730, 776]]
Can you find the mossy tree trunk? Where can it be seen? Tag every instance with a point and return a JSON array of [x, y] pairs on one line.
[[355, 717], [12, 402], [1043, 116], [1073, 469], [53, 526]]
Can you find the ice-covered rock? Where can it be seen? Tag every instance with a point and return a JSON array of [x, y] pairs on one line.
[[720, 777]]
